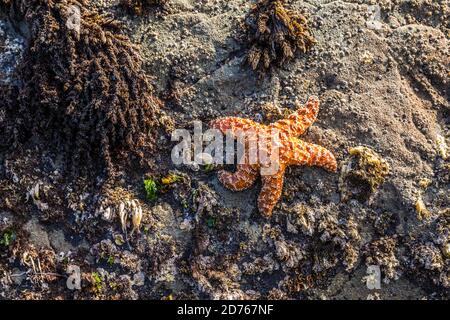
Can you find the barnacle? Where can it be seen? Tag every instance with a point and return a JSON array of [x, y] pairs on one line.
[[428, 260], [428, 254], [276, 34], [138, 6], [382, 252], [442, 147], [130, 209], [337, 235], [363, 174], [123, 216], [87, 92], [136, 216]]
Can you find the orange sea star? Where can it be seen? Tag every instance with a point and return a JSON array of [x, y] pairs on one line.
[[290, 151]]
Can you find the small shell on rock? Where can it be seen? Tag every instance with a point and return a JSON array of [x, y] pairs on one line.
[[123, 216], [107, 214], [442, 147], [136, 218]]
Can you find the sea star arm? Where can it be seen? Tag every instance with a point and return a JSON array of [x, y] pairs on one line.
[[242, 179], [234, 125], [297, 123], [272, 187], [303, 153]]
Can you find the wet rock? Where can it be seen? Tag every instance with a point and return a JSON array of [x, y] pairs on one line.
[[38, 235]]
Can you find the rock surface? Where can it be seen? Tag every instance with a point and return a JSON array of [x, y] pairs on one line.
[[383, 83]]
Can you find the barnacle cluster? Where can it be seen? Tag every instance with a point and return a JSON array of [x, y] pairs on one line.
[[428, 253], [213, 265], [382, 252], [336, 237], [139, 6], [427, 260], [435, 13], [40, 263], [276, 34], [363, 174], [86, 92], [334, 240]]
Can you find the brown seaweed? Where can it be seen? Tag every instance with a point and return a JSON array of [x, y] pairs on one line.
[[276, 34], [81, 87]]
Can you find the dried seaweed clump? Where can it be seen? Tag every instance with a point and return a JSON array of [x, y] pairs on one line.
[[276, 34], [428, 260], [363, 174], [339, 241], [429, 255], [382, 252], [82, 85], [138, 7]]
